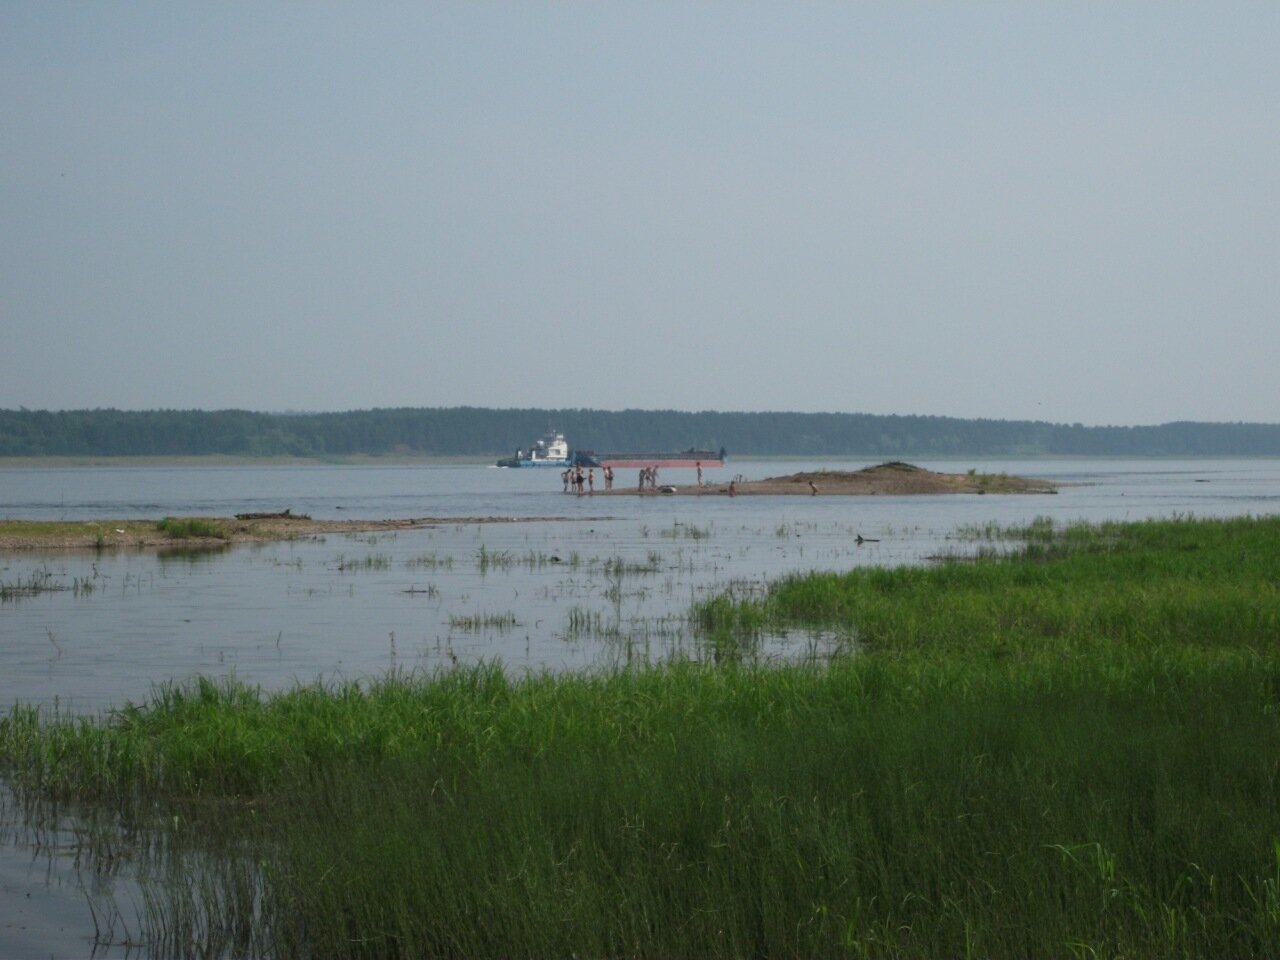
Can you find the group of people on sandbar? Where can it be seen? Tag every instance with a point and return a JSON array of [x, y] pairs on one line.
[[648, 479], [574, 478]]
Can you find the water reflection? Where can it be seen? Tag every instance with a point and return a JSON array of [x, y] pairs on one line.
[[191, 554], [78, 873]]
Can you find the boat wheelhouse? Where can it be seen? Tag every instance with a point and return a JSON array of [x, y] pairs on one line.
[[552, 450]]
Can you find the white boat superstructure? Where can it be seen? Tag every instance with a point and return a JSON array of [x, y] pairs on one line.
[[551, 450]]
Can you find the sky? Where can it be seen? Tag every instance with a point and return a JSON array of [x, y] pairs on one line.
[[1050, 211]]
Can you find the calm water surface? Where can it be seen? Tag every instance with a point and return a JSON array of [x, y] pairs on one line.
[[608, 582]]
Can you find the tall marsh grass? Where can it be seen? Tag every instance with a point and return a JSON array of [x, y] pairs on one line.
[[1111, 589], [1071, 753]]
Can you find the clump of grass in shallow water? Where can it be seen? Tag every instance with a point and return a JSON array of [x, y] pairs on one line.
[[486, 621], [496, 559], [372, 561], [620, 566], [584, 624], [688, 531], [37, 582], [430, 561], [505, 560]]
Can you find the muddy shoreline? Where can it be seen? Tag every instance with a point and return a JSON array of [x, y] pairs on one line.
[[149, 534]]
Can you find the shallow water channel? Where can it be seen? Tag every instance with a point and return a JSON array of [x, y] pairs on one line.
[[609, 582]]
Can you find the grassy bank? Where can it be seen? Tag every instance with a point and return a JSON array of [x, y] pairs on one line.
[[1070, 752]]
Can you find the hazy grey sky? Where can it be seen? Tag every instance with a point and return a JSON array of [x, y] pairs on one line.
[[1066, 212]]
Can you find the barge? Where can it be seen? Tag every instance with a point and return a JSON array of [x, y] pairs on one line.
[[637, 461]]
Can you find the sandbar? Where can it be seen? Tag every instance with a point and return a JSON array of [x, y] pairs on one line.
[[120, 534], [886, 479]]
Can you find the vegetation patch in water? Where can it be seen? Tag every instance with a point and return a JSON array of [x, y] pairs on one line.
[[483, 621]]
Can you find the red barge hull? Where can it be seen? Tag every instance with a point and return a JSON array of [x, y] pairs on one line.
[[637, 461]]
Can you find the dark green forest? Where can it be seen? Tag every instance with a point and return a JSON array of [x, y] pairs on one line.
[[481, 432]]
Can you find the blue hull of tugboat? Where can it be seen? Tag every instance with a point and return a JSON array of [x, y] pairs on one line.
[[526, 462]]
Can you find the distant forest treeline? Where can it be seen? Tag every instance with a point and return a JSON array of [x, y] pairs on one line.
[[482, 432]]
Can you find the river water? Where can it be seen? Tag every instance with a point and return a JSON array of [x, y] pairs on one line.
[[607, 581]]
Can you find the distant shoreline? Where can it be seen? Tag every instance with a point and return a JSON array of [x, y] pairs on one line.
[[231, 460], [477, 434]]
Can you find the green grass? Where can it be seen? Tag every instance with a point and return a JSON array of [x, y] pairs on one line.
[[619, 566], [1110, 590], [37, 582], [483, 621], [429, 561], [1067, 753], [186, 528], [686, 531], [42, 581], [505, 560], [372, 561]]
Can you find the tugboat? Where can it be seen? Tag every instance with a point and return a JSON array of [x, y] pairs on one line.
[[551, 451]]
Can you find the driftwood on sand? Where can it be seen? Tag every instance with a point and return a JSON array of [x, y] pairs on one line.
[[282, 515]]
